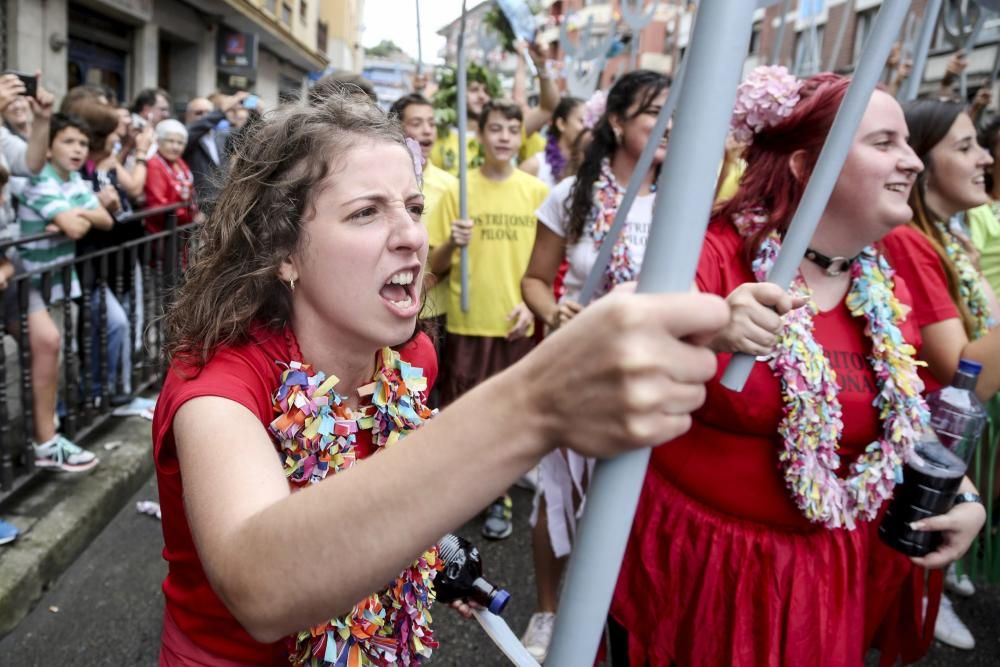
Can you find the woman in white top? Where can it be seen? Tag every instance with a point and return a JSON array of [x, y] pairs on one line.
[[572, 222]]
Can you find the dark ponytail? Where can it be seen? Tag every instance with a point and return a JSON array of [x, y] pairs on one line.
[[562, 112]]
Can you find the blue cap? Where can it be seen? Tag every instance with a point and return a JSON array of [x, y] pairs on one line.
[[973, 368], [499, 601]]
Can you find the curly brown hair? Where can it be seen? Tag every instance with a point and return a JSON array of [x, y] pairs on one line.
[[275, 172]]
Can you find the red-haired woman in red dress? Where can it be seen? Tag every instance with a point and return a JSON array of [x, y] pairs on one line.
[[755, 534]]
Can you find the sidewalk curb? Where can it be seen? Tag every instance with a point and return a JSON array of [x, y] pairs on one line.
[[61, 514]]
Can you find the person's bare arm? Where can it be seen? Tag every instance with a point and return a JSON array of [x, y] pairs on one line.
[[519, 91], [38, 141], [643, 381], [439, 259], [548, 95], [945, 342], [98, 217], [71, 222], [6, 271], [134, 181], [536, 285]]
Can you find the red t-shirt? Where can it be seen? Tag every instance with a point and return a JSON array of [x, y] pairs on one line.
[[247, 374], [168, 184], [916, 262], [729, 459]]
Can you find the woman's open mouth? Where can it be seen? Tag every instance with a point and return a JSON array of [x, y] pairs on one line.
[[400, 292]]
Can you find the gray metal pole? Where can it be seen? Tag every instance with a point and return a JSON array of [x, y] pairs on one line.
[[420, 47], [780, 39], [970, 44], [912, 84], [685, 192], [463, 166], [828, 166], [642, 166]]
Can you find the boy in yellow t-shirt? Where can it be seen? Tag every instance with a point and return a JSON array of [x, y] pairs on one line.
[[499, 234], [482, 86], [444, 153]]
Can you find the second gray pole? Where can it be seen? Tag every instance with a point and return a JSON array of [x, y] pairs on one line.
[[684, 197]]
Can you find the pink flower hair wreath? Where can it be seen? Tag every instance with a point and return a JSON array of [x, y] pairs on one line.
[[764, 99]]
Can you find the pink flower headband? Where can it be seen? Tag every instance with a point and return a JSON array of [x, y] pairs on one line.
[[418, 159], [594, 108], [766, 97]]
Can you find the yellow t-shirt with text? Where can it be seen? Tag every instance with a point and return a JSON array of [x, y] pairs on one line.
[[503, 234], [437, 182]]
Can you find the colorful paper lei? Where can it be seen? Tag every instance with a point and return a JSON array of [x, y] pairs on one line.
[[607, 198], [763, 99], [970, 283], [812, 425], [317, 432]]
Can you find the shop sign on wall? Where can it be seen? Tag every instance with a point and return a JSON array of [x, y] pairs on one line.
[[237, 50]]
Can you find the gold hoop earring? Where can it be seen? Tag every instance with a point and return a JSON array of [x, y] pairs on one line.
[[291, 284]]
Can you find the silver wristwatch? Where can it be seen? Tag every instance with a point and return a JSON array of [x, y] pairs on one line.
[[968, 497]]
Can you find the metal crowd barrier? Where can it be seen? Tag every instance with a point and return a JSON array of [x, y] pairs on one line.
[[84, 401]]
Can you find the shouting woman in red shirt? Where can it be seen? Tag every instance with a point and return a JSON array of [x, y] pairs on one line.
[[288, 502]]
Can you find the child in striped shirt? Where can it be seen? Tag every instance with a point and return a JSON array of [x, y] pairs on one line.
[[58, 200]]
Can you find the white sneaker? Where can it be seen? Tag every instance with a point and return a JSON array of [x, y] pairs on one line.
[[958, 584], [950, 630], [61, 453], [529, 480], [538, 636]]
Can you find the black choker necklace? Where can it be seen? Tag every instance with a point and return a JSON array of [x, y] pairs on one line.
[[832, 266]]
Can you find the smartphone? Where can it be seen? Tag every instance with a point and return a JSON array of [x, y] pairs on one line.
[[138, 122], [251, 102], [29, 80]]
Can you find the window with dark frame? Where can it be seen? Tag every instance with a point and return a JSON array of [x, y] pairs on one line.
[[321, 36], [862, 27], [755, 39]]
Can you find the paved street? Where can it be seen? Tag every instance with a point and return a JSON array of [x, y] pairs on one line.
[[110, 607], [107, 610]]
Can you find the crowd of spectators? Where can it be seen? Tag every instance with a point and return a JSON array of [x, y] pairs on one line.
[[73, 172]]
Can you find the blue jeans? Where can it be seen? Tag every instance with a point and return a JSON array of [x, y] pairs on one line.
[[118, 354]]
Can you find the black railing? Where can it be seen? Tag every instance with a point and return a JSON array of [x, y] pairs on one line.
[[139, 275]]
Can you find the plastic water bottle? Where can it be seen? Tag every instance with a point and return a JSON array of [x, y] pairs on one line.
[[941, 457], [462, 576], [957, 415]]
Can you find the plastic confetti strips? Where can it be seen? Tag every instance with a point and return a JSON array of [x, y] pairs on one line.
[[607, 198], [970, 283], [317, 436], [812, 425]]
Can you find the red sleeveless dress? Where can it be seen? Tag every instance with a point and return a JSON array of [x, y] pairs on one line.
[[721, 567]]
